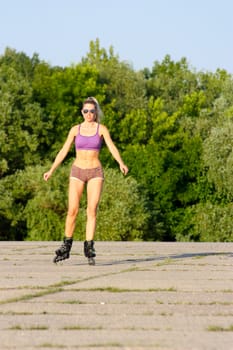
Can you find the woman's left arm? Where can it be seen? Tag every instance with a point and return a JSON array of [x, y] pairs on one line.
[[113, 149]]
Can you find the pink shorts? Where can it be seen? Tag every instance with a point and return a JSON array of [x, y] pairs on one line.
[[85, 175]]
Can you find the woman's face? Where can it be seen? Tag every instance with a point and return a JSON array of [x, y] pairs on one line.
[[89, 112]]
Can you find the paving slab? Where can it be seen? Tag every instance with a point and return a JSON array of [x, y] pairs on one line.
[[139, 295]]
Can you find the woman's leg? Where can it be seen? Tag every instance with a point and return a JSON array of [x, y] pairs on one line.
[[75, 193], [94, 189]]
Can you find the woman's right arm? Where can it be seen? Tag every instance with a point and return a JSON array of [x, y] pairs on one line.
[[62, 153]]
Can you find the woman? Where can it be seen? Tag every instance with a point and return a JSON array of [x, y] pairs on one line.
[[86, 170]]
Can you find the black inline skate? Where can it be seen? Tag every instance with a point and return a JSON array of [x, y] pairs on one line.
[[63, 252], [89, 252]]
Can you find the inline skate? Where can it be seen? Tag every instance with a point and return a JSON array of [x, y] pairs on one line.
[[63, 252], [89, 252]]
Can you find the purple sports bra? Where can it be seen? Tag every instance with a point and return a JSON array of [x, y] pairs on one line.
[[93, 142]]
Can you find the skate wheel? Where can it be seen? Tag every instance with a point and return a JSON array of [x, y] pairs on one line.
[[91, 261], [58, 259]]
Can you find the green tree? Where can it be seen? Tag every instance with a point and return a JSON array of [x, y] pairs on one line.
[[125, 88], [20, 62], [61, 92], [167, 166], [218, 158], [171, 124], [170, 81], [21, 122]]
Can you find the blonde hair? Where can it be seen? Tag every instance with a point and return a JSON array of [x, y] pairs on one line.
[[94, 101]]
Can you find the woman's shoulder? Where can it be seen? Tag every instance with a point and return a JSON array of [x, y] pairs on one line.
[[74, 129], [102, 128]]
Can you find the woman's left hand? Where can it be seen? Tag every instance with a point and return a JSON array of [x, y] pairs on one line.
[[124, 169]]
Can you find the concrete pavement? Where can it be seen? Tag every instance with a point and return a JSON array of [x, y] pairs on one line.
[[139, 295]]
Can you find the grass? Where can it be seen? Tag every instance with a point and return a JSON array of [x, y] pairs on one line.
[[159, 301], [72, 302], [215, 303], [56, 288], [16, 313], [215, 328], [31, 296], [100, 346], [126, 290], [31, 328], [166, 314], [167, 261], [49, 345], [37, 328], [16, 328], [80, 328], [199, 257]]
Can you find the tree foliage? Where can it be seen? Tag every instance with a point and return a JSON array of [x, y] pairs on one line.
[[21, 123], [218, 157], [172, 125]]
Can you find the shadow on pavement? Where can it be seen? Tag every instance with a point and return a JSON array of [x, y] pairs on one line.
[[163, 258]]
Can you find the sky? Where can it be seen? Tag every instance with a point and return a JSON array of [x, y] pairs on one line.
[[141, 32]]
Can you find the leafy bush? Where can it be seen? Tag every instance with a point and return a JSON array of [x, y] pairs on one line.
[[40, 207], [213, 223], [218, 157]]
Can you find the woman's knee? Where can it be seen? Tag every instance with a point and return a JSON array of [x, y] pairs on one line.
[[72, 212], [91, 212]]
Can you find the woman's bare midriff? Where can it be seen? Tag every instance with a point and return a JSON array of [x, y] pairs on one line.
[[86, 159]]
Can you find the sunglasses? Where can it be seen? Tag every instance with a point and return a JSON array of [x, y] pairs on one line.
[[92, 111]]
